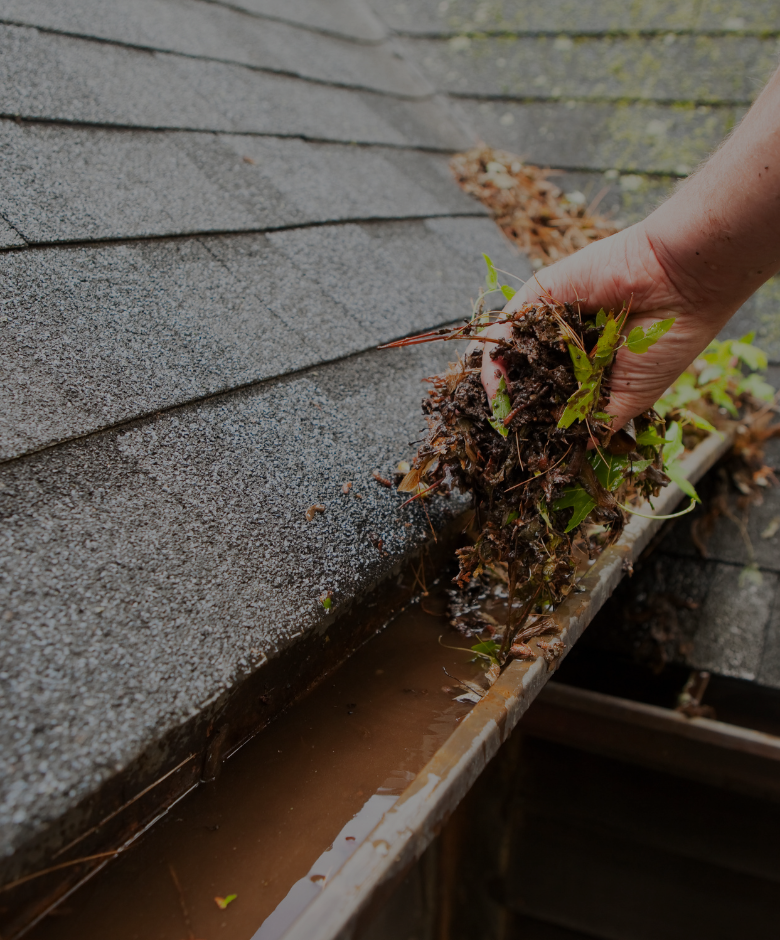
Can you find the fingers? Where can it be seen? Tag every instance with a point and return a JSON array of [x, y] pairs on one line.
[[638, 381], [607, 274], [533, 290], [493, 370]]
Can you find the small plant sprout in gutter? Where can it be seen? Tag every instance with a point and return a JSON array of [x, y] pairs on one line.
[[552, 482]]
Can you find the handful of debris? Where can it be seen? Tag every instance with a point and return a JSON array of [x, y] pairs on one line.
[[551, 480]]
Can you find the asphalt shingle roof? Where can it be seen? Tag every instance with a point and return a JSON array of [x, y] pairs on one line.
[[212, 213]]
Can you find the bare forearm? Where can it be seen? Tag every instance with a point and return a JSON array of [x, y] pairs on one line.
[[718, 237]]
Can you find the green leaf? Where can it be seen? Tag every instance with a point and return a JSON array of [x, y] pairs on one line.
[[501, 406], [649, 438], [487, 648], [673, 449], [723, 400], [607, 344], [753, 357], [601, 318], [710, 374], [610, 470], [507, 291], [575, 497], [604, 416], [491, 278], [511, 516], [541, 508], [676, 475], [673, 443], [582, 402], [690, 417], [582, 365], [639, 340], [222, 903], [754, 385], [639, 466]]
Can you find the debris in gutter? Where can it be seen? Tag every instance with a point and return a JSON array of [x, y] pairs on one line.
[[552, 483], [312, 511], [525, 457], [380, 479], [379, 544], [222, 903], [546, 501], [689, 700]]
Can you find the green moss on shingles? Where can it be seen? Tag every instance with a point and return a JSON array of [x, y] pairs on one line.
[[693, 69]]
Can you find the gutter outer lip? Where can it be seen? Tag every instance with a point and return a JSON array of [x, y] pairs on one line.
[[411, 824]]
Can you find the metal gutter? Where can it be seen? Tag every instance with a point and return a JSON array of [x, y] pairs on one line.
[[349, 899]]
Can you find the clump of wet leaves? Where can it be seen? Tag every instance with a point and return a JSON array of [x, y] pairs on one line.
[[538, 489]]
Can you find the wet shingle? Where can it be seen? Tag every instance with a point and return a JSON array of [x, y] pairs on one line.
[[140, 569]]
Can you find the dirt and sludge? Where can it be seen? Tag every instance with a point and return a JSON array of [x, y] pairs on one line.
[[290, 806]]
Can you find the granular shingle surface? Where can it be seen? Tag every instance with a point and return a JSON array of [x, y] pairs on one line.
[[101, 83], [107, 184], [98, 335], [142, 567], [208, 30]]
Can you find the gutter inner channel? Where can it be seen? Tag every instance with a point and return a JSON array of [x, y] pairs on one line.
[[290, 807]]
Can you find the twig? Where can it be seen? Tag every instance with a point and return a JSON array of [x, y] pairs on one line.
[[423, 493], [509, 489], [48, 871], [511, 631], [182, 904], [123, 808]]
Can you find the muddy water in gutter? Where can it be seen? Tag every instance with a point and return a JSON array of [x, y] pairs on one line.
[[288, 808]]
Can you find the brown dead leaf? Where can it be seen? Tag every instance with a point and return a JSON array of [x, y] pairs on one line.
[[533, 212], [521, 651]]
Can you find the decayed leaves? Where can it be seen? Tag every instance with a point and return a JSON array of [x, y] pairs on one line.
[[544, 222]]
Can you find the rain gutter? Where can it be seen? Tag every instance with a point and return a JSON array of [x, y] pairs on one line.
[[350, 899]]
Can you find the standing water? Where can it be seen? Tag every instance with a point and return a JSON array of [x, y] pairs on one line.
[[288, 808]]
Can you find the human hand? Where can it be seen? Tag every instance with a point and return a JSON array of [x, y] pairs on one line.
[[608, 273]]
